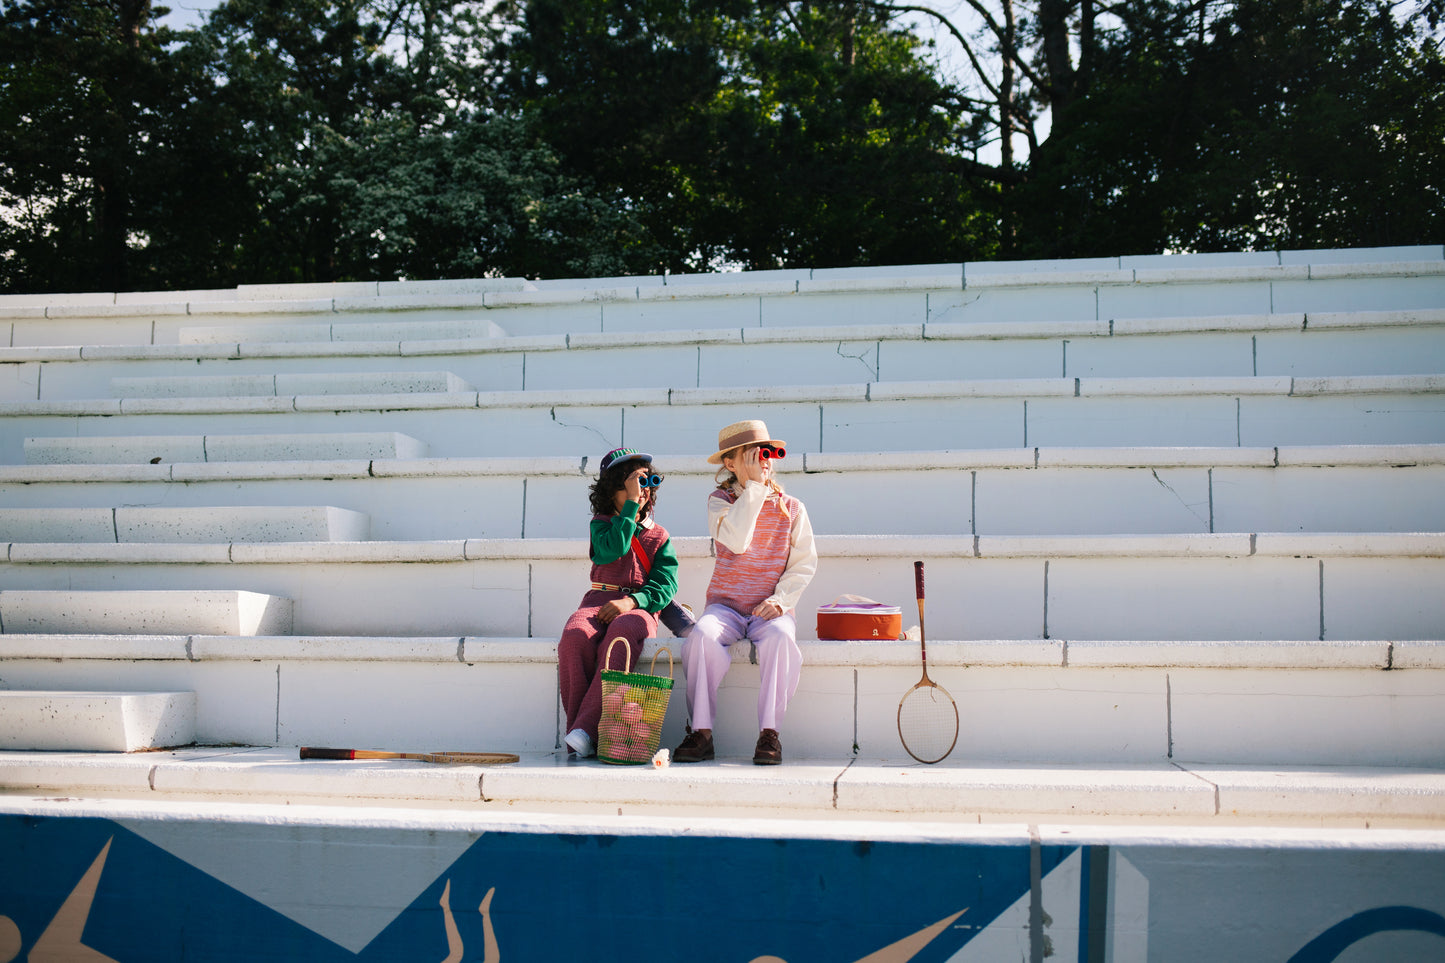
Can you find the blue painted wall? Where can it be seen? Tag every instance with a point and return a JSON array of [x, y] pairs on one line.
[[157, 890]]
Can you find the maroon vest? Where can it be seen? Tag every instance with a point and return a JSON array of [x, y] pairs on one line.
[[629, 569]]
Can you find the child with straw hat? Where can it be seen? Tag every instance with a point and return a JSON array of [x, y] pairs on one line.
[[765, 559]]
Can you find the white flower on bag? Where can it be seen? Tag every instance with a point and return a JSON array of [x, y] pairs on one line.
[[661, 759]]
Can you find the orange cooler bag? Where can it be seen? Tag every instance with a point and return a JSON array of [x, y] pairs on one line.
[[856, 617]]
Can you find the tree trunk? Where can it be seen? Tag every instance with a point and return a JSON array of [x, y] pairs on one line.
[[1059, 76], [114, 153], [1007, 224]]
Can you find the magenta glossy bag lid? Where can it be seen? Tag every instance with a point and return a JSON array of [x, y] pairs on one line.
[[858, 605]]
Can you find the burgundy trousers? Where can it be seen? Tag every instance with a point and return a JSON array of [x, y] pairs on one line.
[[583, 646]]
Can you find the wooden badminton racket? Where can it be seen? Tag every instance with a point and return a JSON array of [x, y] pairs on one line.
[[927, 714], [472, 758]]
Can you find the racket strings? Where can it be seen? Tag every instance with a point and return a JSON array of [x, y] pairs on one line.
[[482, 758], [928, 722]]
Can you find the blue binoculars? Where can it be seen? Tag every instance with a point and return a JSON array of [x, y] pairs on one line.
[[649, 481], [772, 451]]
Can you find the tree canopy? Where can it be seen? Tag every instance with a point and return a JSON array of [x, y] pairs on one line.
[[341, 139]]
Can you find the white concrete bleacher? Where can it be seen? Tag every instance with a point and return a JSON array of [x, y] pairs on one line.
[[1176, 508], [155, 449], [161, 611], [96, 721]]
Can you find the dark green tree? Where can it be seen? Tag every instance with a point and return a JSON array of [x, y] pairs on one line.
[[479, 196], [838, 145], [760, 134], [84, 86], [299, 81], [1269, 124], [374, 150], [341, 139]]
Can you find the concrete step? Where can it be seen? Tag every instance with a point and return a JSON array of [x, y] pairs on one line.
[[838, 786], [1019, 701], [85, 721], [993, 292], [1323, 586], [175, 524], [1099, 288], [1297, 345], [393, 331], [284, 385], [1079, 492], [1021, 491], [1058, 412], [56, 611], [157, 317], [154, 449]]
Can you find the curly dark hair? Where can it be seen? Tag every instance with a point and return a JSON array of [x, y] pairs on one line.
[[609, 483]]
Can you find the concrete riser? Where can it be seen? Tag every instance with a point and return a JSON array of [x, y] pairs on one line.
[[323, 331], [1007, 714], [999, 501], [829, 426], [222, 523], [141, 611], [640, 304], [282, 385], [169, 449], [844, 360], [969, 598]]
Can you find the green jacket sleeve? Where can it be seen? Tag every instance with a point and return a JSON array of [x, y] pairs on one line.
[[661, 584], [612, 536]]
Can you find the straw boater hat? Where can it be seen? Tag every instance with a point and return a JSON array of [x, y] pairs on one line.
[[739, 434]]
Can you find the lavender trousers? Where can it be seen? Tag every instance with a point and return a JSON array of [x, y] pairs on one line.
[[706, 658]]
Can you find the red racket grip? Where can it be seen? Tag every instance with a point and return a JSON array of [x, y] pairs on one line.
[[918, 579], [310, 752]]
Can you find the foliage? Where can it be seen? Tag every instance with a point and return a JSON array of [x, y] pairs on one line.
[[477, 199], [300, 140], [83, 95], [1280, 124], [758, 134]]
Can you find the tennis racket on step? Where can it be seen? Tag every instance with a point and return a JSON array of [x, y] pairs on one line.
[[927, 714], [469, 758]]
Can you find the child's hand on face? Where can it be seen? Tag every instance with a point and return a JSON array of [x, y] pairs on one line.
[[634, 485], [754, 468]]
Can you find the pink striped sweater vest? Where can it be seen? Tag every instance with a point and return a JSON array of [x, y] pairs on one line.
[[741, 581]]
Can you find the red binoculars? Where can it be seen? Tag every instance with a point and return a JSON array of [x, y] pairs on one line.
[[771, 451]]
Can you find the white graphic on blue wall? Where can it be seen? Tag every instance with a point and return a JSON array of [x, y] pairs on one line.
[[264, 862]]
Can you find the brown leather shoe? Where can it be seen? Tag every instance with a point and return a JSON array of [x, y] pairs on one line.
[[697, 747], [769, 751]]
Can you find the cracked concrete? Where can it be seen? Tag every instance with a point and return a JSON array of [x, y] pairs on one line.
[[1187, 507], [862, 358]]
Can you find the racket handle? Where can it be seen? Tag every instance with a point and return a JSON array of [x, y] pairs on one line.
[[309, 752], [918, 579]]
